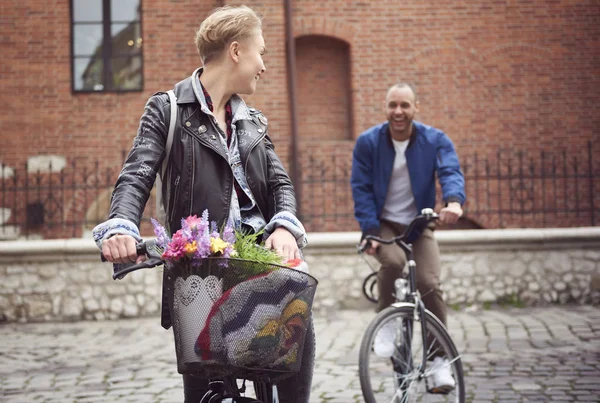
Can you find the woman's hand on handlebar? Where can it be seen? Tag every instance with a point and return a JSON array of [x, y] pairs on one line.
[[371, 248], [451, 213], [121, 249]]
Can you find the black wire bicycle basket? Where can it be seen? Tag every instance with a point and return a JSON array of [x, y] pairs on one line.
[[239, 318]]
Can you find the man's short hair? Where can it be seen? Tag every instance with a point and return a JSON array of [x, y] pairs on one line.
[[223, 26], [403, 85]]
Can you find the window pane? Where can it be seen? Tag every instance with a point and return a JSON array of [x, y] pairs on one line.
[[124, 10], [87, 10], [127, 73], [88, 73], [126, 38], [87, 39]]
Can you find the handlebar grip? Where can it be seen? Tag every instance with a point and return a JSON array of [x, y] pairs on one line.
[[362, 248]]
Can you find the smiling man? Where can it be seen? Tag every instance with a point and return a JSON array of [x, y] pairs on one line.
[[394, 165]]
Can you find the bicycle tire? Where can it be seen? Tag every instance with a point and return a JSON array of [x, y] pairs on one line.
[[385, 387], [369, 287]]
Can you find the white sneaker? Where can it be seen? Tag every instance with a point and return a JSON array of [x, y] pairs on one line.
[[384, 340], [440, 378]]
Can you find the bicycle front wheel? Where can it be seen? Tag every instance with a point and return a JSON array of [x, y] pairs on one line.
[[392, 373]]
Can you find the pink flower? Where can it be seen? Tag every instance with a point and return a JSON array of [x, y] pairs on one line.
[[293, 262], [194, 223]]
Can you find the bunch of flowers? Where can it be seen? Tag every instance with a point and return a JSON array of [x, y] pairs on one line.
[[196, 240]]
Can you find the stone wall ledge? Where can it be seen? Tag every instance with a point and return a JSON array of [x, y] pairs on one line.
[[554, 238], [455, 239], [46, 280]]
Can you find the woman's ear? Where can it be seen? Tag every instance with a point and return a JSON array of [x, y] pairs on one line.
[[234, 51]]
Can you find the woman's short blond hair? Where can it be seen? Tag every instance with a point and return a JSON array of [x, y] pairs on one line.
[[223, 26]]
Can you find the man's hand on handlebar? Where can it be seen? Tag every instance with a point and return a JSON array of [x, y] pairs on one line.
[[371, 248], [451, 213], [121, 249]]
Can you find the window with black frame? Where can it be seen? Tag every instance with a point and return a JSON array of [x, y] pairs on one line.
[[106, 44]]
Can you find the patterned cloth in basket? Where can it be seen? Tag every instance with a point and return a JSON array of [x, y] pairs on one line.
[[259, 323]]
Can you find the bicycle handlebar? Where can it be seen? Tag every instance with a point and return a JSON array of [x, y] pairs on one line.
[[148, 248], [427, 215]]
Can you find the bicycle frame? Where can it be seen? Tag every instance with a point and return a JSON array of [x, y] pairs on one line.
[[227, 389], [413, 299]]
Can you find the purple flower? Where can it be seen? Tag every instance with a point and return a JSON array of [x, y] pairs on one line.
[[213, 229], [162, 238], [203, 241], [229, 234], [185, 228], [229, 237]]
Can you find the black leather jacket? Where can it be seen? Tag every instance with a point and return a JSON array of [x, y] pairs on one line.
[[199, 173]]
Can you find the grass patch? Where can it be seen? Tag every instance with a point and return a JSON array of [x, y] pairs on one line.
[[511, 301]]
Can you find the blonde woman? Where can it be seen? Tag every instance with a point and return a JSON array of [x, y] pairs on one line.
[[221, 160]]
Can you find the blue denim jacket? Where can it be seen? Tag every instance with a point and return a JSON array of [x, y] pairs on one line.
[[429, 152]]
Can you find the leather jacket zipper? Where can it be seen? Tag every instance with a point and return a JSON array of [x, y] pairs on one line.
[[192, 183], [175, 197], [250, 149]]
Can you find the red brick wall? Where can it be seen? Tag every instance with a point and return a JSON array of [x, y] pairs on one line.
[[518, 75], [323, 81], [40, 114]]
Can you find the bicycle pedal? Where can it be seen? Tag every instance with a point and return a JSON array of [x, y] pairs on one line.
[[440, 391]]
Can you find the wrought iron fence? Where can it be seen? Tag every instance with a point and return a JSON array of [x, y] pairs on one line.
[[504, 189]]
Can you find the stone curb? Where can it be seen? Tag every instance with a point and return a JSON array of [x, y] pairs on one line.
[[519, 238]]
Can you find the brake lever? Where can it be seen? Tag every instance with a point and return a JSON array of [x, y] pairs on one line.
[[124, 269]]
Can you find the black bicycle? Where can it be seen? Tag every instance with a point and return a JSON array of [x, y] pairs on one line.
[[204, 341], [417, 343]]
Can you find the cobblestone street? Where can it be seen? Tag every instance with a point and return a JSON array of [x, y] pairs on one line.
[[509, 355]]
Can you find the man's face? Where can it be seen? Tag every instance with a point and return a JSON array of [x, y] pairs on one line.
[[401, 109]]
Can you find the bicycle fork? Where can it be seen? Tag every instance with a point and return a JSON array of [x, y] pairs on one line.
[[403, 291]]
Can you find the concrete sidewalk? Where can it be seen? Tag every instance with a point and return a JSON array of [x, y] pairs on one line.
[[512, 355]]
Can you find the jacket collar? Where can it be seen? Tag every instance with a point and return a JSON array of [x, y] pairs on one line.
[[385, 131], [190, 91]]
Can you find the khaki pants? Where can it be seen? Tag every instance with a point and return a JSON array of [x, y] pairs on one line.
[[426, 254]]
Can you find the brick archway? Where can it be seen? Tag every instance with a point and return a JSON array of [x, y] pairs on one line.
[[331, 27]]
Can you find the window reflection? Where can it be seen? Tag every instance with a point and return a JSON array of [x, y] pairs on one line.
[[87, 11], [125, 38], [125, 10], [88, 39], [105, 64], [127, 72], [88, 74]]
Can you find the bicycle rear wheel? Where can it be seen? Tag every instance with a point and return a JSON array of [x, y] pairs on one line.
[[397, 379]]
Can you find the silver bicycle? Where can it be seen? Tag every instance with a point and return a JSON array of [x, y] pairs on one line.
[[416, 338]]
